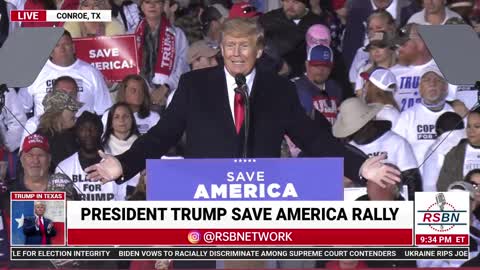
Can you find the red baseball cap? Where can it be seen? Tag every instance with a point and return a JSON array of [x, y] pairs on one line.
[[243, 10], [35, 141]]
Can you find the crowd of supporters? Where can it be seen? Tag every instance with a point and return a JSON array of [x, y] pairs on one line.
[[359, 66]]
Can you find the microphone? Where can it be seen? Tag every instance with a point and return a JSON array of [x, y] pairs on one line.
[[440, 198], [441, 201], [240, 80], [61, 182], [242, 88]]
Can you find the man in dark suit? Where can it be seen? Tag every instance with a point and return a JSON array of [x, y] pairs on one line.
[[207, 108], [285, 28], [38, 229]]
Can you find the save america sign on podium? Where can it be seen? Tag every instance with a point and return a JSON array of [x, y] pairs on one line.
[[307, 179]]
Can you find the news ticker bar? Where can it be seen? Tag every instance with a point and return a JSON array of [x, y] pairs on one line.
[[237, 253]]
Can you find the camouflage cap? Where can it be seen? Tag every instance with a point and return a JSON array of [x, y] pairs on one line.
[[58, 101]]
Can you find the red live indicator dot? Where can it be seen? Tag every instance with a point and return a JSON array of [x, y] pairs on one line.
[[28, 15]]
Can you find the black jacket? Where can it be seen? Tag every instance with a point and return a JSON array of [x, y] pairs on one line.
[[357, 18], [4, 22], [200, 108], [62, 145], [288, 37]]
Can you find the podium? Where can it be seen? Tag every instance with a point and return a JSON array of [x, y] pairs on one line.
[[243, 179], [267, 179]]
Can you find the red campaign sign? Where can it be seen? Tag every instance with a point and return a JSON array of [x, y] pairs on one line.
[[115, 57]]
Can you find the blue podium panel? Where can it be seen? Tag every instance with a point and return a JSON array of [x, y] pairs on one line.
[[306, 179]]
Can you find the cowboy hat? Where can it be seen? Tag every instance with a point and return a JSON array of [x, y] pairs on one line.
[[354, 114]]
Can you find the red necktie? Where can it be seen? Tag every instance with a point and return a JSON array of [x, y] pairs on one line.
[[239, 110], [42, 231]]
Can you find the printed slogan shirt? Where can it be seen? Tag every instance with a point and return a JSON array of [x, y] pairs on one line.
[[398, 150], [417, 125], [89, 190], [408, 83], [92, 89]]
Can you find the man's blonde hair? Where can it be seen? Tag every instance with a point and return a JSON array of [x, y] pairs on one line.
[[244, 27], [40, 203]]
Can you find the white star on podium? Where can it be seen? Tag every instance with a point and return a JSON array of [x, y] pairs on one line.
[[20, 222]]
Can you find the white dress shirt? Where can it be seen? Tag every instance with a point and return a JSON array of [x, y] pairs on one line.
[[231, 85], [392, 8]]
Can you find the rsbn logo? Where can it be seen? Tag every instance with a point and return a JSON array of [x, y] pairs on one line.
[[441, 216]]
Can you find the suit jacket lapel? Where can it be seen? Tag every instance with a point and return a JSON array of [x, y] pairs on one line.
[[220, 96], [257, 90]]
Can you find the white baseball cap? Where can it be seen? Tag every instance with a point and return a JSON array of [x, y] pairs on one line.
[[382, 78], [433, 69]]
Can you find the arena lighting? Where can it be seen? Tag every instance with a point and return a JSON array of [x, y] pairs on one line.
[[23, 56], [455, 50]]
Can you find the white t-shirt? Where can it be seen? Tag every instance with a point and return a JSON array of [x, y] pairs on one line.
[[359, 81], [359, 61], [432, 166], [468, 95], [12, 119], [419, 17], [116, 146], [143, 125], [408, 83], [89, 190], [472, 159], [398, 150], [417, 125], [389, 113], [392, 8], [92, 89], [30, 128]]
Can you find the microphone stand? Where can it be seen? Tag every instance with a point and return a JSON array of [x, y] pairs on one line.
[[246, 116], [3, 90]]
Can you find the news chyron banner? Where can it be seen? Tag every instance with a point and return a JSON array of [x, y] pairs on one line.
[[249, 223], [262, 209], [115, 56]]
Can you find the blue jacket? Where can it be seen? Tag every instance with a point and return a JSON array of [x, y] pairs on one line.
[[306, 91]]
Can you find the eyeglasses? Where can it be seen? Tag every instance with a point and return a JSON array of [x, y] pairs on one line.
[[249, 9]]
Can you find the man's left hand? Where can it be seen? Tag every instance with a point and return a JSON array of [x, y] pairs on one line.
[[374, 170], [159, 95], [49, 227]]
